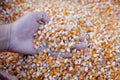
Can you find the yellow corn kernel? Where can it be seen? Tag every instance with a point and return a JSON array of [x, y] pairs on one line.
[[53, 12], [22, 0], [107, 52], [45, 51], [58, 40], [62, 22], [108, 7], [103, 0], [50, 45], [101, 37], [100, 77], [92, 78], [51, 72], [65, 13], [98, 24], [66, 8], [77, 41], [113, 75], [90, 29], [53, 32], [71, 20], [56, 49], [81, 77], [57, 35], [34, 40], [62, 65], [57, 18], [91, 5], [59, 28]]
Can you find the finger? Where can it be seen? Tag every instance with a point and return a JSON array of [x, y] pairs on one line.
[[53, 54], [63, 55], [45, 18], [41, 16], [78, 46], [81, 39], [66, 55]]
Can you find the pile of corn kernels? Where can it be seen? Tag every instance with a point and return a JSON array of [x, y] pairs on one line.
[[98, 21]]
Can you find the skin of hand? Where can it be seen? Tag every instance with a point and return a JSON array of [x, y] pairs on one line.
[[22, 32], [21, 35]]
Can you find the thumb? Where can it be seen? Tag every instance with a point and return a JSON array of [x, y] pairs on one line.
[[41, 16]]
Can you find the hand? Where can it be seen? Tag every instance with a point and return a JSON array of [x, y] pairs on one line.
[[22, 32], [22, 35]]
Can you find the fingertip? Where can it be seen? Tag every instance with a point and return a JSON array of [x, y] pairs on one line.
[[42, 16], [38, 50], [48, 19], [63, 55], [53, 54], [66, 55], [45, 18], [78, 46], [81, 38]]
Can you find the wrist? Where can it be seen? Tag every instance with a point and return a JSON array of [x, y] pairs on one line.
[[5, 37]]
